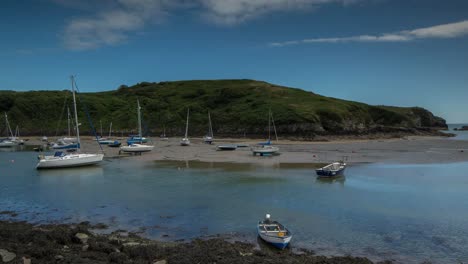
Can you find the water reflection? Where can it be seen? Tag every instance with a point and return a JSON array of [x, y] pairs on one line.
[[339, 180], [85, 171]]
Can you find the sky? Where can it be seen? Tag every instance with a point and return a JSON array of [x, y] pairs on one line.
[[390, 52]]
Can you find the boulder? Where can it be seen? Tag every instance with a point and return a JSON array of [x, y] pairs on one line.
[[6, 255]]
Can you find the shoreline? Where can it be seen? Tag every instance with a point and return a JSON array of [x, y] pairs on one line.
[[407, 150], [77, 243]]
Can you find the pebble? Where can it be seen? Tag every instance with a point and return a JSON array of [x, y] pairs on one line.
[[6, 255], [161, 262], [59, 257], [85, 248], [82, 237], [26, 260]]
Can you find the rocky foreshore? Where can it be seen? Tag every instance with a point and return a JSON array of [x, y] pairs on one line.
[[24, 243]]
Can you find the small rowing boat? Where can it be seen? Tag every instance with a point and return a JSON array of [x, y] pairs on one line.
[[331, 170], [274, 233]]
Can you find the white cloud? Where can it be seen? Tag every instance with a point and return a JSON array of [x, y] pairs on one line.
[[451, 30], [231, 12], [111, 26], [111, 21]]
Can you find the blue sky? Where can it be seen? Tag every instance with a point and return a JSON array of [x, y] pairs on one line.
[[393, 52]]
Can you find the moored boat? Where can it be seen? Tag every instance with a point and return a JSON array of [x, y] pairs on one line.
[[226, 147], [115, 144], [62, 160], [264, 150], [331, 170], [134, 145], [274, 233], [208, 139], [136, 148], [60, 144], [186, 141], [8, 143]]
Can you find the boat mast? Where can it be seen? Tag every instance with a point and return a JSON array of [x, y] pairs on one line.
[[139, 121], [269, 125], [110, 130], [274, 127], [76, 114], [100, 123], [186, 125], [210, 127], [69, 122], [8, 124]]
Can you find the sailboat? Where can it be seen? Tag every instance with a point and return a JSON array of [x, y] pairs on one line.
[[137, 146], [16, 138], [62, 160], [67, 142], [266, 148], [12, 140], [185, 141], [208, 139], [108, 140], [163, 137], [7, 142]]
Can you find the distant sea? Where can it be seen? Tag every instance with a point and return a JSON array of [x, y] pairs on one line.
[[461, 135]]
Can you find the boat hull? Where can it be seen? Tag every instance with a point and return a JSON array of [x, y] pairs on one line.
[[106, 142], [227, 147], [185, 142], [264, 150], [329, 174], [8, 144], [136, 148], [70, 160], [335, 169], [67, 146], [136, 140], [280, 243]]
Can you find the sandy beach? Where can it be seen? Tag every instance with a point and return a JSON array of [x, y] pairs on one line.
[[407, 150]]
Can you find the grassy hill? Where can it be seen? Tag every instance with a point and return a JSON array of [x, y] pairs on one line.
[[236, 106]]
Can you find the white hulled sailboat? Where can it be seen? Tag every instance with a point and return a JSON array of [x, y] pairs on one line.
[[62, 160]]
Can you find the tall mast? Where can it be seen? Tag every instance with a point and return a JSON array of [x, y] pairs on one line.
[[139, 120], [186, 125], [100, 122], [76, 114], [274, 126], [110, 130], [69, 122], [8, 125], [269, 124], [210, 127]]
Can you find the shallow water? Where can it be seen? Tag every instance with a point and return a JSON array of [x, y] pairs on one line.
[[410, 213], [459, 135]]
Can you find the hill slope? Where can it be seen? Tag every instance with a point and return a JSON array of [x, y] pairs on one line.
[[237, 107]]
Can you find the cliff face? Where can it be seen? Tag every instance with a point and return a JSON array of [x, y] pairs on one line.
[[238, 107]]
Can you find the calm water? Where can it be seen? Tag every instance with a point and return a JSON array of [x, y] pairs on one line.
[[410, 213], [460, 135]]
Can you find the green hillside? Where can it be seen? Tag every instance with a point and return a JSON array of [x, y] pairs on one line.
[[236, 106]]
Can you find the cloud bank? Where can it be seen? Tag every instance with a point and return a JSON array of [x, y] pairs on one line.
[[444, 31], [117, 19]]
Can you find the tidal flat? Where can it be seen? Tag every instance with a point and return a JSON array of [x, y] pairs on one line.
[[399, 211]]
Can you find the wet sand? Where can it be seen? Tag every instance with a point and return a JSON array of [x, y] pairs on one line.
[[408, 150]]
